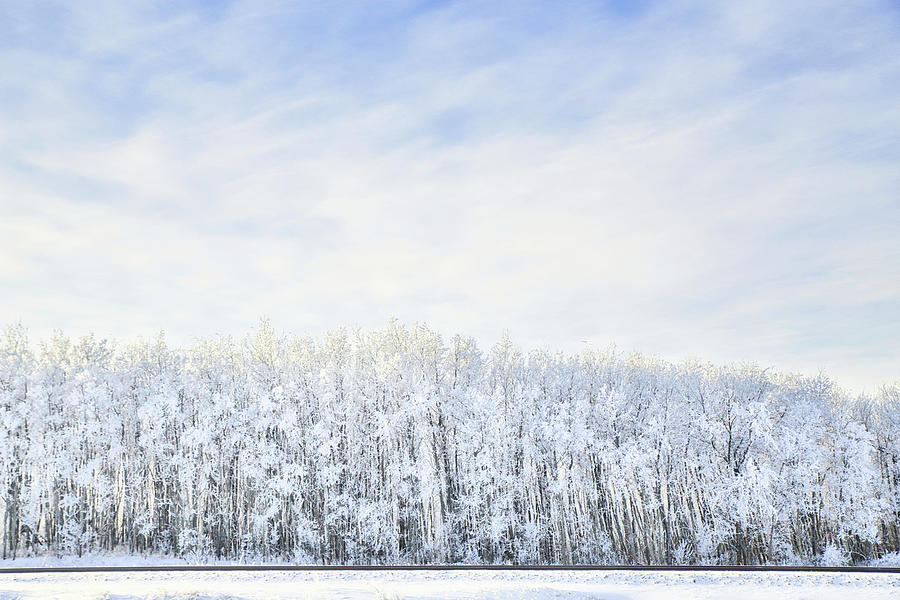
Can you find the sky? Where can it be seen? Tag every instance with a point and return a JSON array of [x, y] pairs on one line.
[[713, 180]]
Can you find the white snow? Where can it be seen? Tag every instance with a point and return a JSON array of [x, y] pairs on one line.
[[611, 585]]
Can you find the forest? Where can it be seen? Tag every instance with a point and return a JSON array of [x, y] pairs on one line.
[[402, 446]]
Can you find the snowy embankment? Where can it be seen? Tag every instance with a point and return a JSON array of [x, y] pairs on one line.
[[614, 585]]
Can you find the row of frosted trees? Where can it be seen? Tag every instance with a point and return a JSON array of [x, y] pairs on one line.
[[397, 446]]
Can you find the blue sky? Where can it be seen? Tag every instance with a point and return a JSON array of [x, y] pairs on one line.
[[687, 179]]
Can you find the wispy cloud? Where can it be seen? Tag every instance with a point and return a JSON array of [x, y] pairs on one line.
[[684, 178]]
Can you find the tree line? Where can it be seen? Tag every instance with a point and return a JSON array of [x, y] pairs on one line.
[[396, 446]]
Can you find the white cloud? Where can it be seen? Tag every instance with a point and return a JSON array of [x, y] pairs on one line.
[[690, 181]]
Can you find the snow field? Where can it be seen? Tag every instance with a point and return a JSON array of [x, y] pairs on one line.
[[399, 585]]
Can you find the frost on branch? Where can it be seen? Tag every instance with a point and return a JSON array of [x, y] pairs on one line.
[[397, 446]]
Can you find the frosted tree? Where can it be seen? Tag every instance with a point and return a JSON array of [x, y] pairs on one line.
[[398, 446]]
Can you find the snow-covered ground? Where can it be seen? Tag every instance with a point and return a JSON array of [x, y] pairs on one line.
[[611, 585]]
